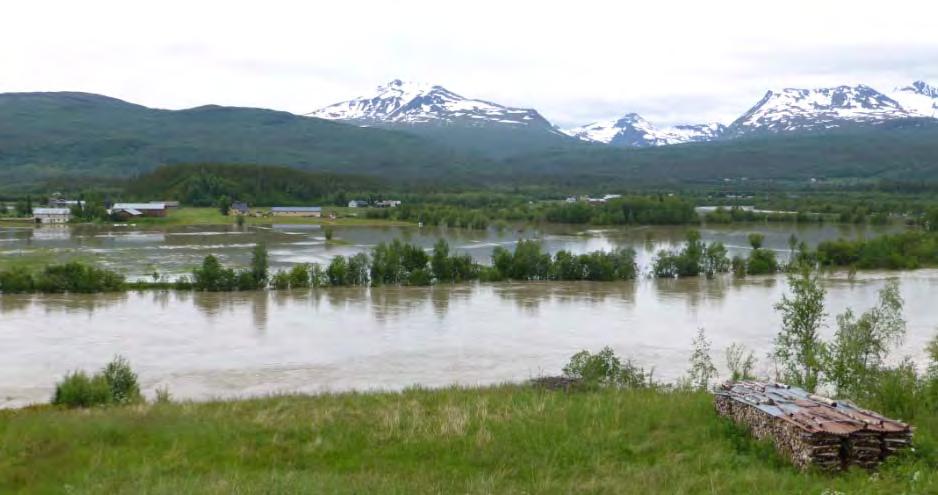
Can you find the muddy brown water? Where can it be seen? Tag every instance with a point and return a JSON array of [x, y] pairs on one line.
[[203, 346]]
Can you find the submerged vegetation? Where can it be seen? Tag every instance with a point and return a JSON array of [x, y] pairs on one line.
[[69, 277], [907, 250], [400, 263]]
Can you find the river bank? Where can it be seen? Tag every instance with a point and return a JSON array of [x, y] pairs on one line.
[[503, 439]]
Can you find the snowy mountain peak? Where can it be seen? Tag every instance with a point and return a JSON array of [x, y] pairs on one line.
[[922, 88], [794, 109], [919, 98], [633, 131], [404, 102]]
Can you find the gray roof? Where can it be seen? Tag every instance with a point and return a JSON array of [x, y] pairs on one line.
[[139, 206], [302, 209], [51, 211]]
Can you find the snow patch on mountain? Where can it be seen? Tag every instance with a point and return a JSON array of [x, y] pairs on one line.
[[400, 102], [634, 131], [817, 109], [919, 98]]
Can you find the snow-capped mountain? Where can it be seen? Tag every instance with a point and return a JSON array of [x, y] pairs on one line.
[[635, 132], [792, 109], [919, 98], [400, 102]]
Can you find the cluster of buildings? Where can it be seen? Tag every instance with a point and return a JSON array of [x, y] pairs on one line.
[[593, 201], [385, 203], [60, 210]]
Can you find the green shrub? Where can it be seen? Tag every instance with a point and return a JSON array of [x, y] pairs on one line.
[[116, 383], [280, 280], [80, 390], [739, 266], [16, 280], [163, 396], [694, 258], [337, 272], [761, 262], [605, 369], [897, 392], [318, 276], [122, 381], [299, 276], [740, 362], [77, 277], [213, 277]]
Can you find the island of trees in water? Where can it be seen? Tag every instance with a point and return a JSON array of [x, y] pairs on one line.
[[402, 263]]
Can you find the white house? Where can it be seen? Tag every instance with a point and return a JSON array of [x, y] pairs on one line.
[[52, 215]]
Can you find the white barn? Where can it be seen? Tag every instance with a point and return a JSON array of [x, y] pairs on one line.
[[52, 215]]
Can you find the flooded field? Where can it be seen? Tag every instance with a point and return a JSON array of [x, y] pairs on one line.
[[239, 344], [138, 252]]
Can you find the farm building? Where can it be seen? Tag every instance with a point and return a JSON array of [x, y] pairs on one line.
[[240, 208], [297, 211], [52, 215], [136, 210], [810, 430]]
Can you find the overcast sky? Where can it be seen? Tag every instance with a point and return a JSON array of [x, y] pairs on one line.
[[576, 62]]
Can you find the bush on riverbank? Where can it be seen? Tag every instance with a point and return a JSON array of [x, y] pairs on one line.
[[116, 383], [606, 369]]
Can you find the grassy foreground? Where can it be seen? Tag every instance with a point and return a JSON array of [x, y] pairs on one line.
[[507, 439]]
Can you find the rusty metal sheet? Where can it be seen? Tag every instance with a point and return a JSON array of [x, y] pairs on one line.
[[812, 413]]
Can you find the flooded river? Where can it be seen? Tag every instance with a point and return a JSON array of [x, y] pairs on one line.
[[240, 344]]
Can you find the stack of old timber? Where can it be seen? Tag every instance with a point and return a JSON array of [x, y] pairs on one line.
[[811, 430]]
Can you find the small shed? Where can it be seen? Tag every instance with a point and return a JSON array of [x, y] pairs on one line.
[[52, 215]]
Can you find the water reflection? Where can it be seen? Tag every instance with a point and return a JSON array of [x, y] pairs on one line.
[[221, 344], [138, 251]]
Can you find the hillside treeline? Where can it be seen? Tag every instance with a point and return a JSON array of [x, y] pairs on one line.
[[204, 184]]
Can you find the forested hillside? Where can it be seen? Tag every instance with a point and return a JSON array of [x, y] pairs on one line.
[[45, 135], [204, 184], [75, 138]]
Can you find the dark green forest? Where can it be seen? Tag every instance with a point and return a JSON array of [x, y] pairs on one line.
[[204, 184], [54, 139]]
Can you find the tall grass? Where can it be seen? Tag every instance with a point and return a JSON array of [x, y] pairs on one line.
[[506, 439]]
